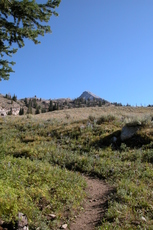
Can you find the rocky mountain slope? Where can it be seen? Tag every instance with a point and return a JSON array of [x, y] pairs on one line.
[[86, 95], [7, 105], [12, 106]]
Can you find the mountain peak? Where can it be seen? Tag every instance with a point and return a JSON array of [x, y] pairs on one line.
[[88, 95]]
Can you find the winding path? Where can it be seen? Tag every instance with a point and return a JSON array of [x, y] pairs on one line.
[[95, 205]]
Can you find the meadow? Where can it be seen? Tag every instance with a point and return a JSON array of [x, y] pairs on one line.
[[43, 158]]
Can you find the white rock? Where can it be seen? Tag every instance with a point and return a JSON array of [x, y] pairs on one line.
[[53, 216], [23, 222], [64, 226], [143, 218], [25, 228]]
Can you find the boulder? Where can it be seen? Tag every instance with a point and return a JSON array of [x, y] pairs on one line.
[[128, 132]]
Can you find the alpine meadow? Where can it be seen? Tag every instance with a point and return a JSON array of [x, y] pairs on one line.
[[67, 162]]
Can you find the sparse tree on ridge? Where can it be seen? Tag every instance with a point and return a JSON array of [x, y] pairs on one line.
[[20, 19], [50, 106], [26, 101], [14, 98]]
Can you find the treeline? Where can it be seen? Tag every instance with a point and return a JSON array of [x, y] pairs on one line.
[[14, 98], [33, 103], [79, 102]]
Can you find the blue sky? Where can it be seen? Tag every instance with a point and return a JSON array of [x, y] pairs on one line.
[[103, 46]]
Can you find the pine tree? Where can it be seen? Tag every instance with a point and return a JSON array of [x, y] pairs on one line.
[[14, 98], [21, 112], [26, 101], [8, 96], [34, 103], [29, 111], [100, 103], [10, 112], [20, 19], [37, 110], [50, 106]]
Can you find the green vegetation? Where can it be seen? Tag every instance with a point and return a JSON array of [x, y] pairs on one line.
[[41, 162], [37, 189]]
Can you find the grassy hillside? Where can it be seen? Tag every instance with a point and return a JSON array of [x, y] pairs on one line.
[[43, 156]]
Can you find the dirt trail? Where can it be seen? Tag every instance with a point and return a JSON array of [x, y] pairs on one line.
[[95, 205]]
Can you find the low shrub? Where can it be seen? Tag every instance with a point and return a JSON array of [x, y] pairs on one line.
[[107, 118]]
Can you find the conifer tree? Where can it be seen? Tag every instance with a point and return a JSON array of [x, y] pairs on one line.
[[37, 110], [50, 106], [10, 112], [26, 101], [21, 112], [34, 103], [29, 111], [20, 19], [14, 98], [100, 103]]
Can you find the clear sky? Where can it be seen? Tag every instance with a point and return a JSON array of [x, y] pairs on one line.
[[103, 46]]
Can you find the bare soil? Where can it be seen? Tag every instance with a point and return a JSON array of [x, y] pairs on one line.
[[95, 205]]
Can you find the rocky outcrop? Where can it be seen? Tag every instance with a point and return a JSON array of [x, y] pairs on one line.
[[23, 222], [3, 112], [129, 131], [15, 111]]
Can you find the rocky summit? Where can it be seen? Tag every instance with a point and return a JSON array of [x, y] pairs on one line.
[[86, 95]]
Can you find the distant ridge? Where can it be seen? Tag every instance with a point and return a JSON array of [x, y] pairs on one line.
[[32, 105], [86, 95]]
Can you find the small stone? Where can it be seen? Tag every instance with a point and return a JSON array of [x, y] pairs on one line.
[[143, 218], [52, 216], [64, 226], [25, 228]]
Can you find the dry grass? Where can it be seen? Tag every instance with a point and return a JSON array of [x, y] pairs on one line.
[[78, 114]]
